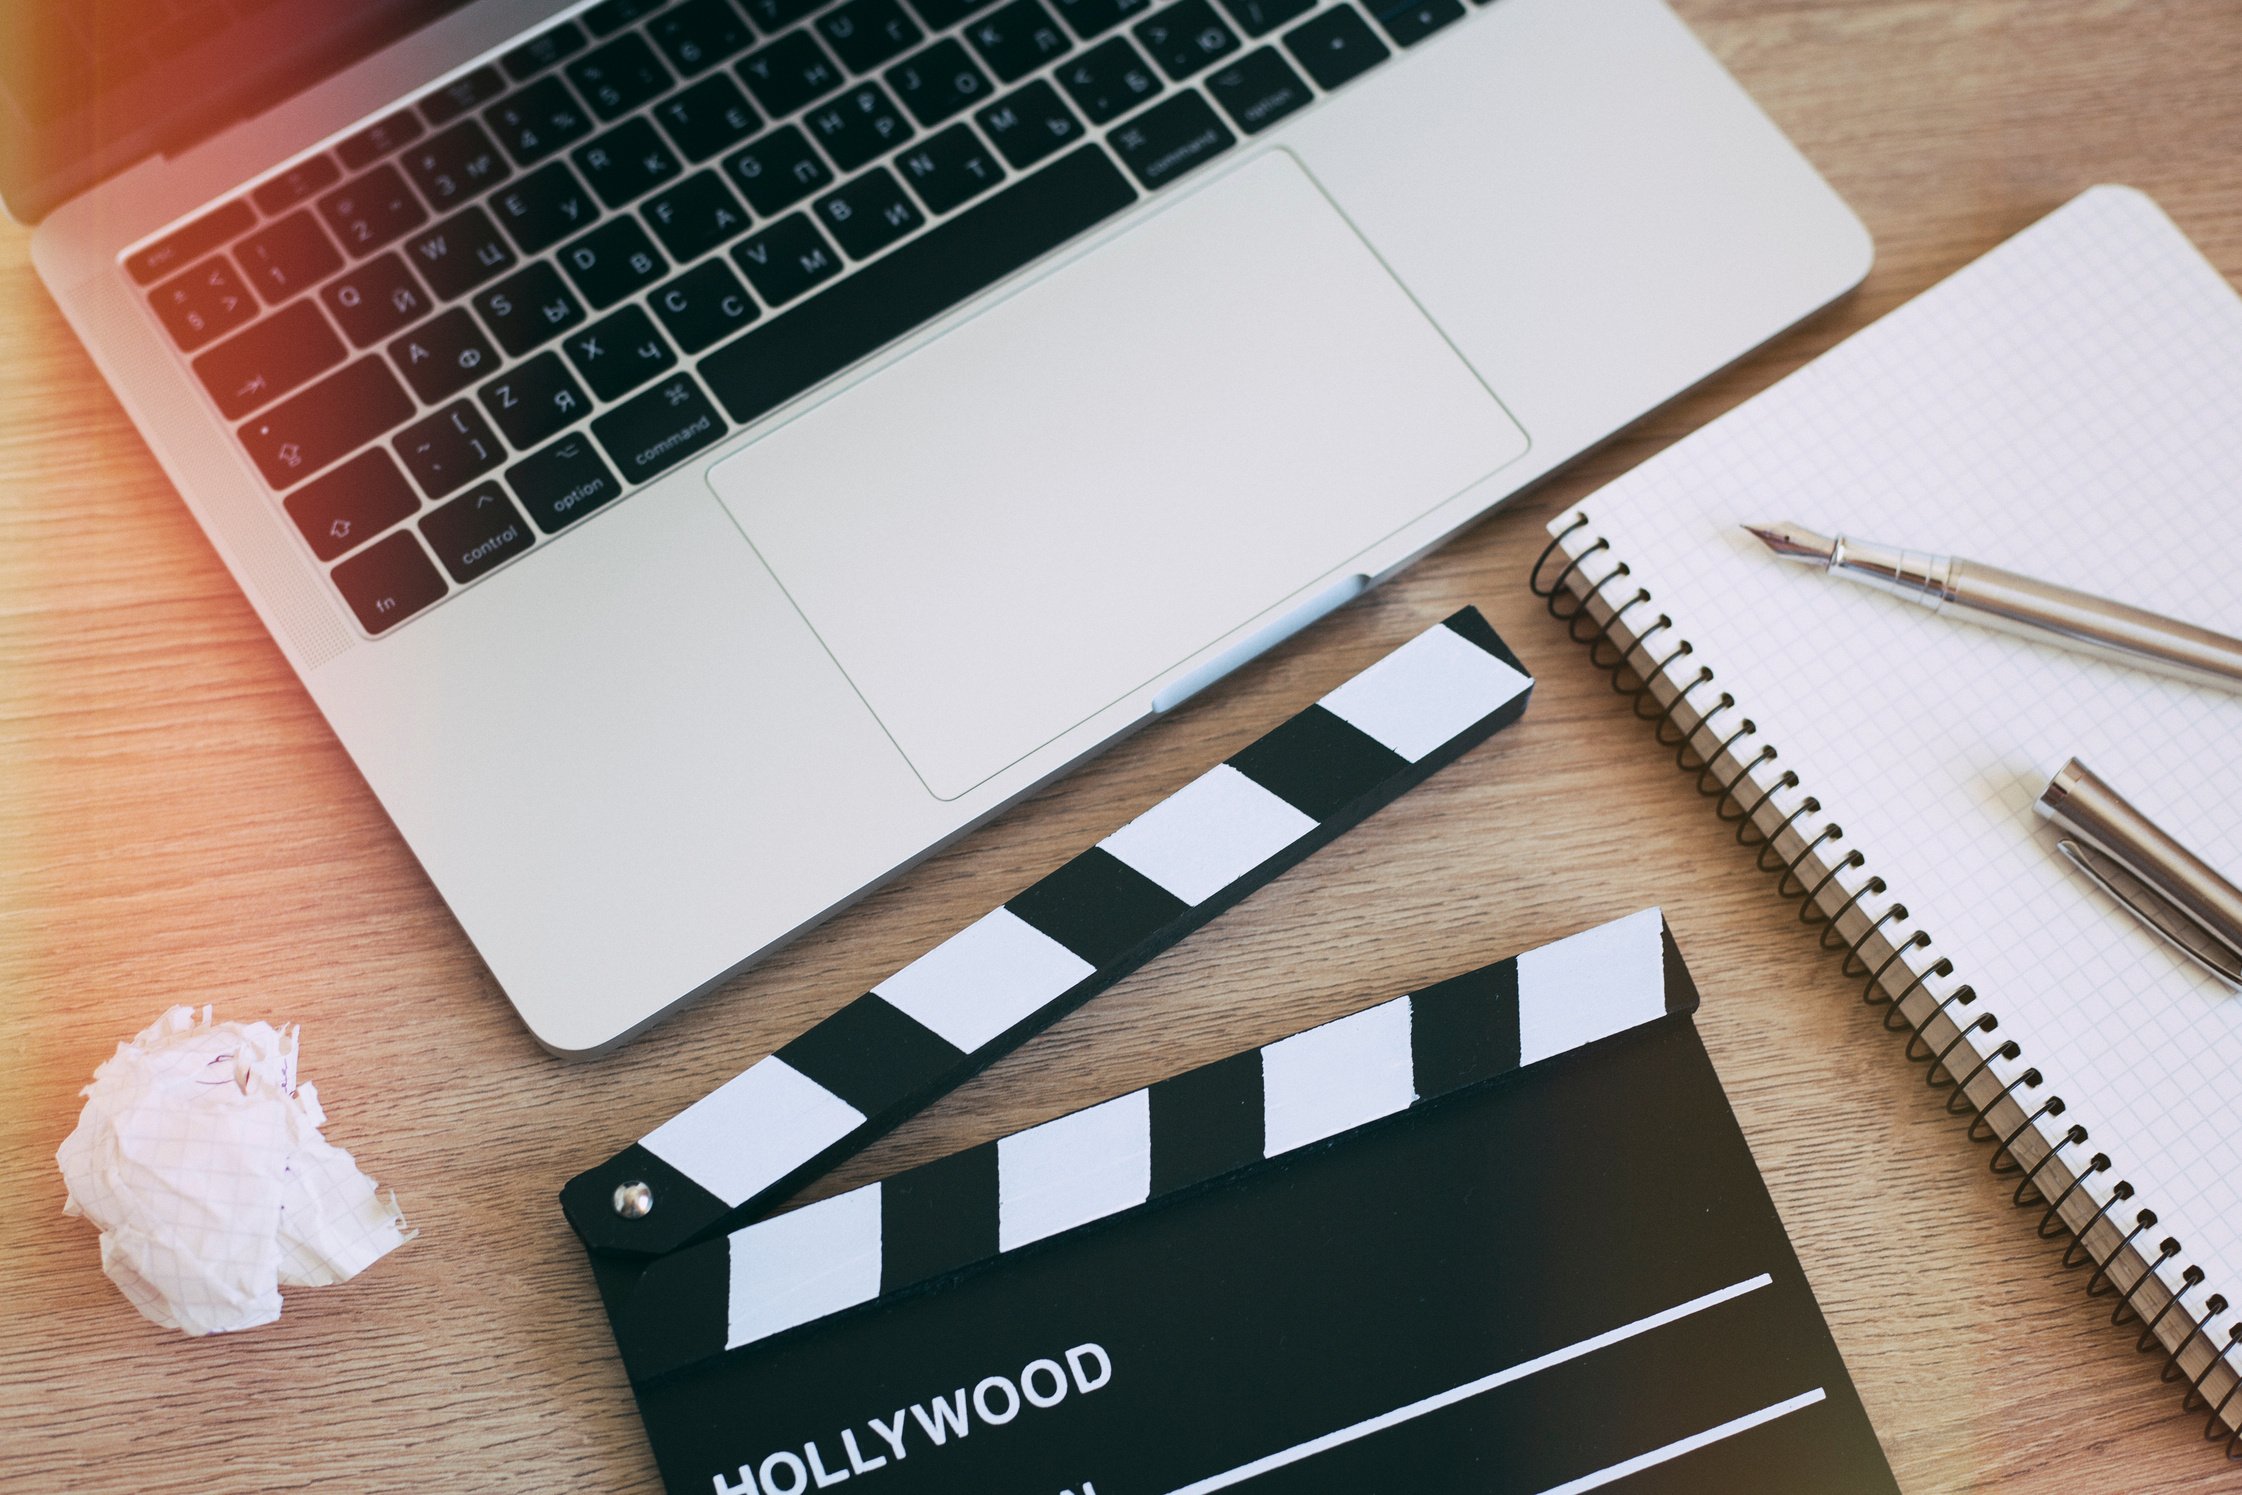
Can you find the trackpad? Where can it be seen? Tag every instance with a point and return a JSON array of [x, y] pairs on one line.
[[1195, 427]]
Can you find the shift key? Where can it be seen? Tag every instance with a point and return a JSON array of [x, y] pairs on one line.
[[652, 432], [332, 419]]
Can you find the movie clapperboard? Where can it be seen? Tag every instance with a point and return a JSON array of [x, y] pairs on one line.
[[1501, 1234]]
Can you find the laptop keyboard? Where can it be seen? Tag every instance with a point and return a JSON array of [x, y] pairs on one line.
[[490, 313]]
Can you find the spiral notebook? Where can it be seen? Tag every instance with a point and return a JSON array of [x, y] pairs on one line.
[[2070, 406]]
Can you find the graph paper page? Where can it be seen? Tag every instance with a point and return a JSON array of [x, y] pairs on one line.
[[2069, 406]]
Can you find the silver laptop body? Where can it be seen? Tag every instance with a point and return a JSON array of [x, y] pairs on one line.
[[972, 434]]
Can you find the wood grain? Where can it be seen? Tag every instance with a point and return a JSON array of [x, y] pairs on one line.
[[176, 824]]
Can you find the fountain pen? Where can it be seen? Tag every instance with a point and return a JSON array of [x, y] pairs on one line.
[[2020, 605]]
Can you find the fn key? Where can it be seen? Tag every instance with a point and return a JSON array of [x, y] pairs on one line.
[[653, 432], [389, 581]]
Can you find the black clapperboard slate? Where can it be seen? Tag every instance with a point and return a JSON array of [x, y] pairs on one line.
[[1501, 1234]]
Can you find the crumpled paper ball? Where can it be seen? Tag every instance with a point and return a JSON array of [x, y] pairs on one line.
[[199, 1157]]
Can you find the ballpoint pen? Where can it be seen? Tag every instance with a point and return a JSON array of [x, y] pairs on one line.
[[2020, 605], [2157, 880]]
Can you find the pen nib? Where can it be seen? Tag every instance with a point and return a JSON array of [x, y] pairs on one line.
[[1795, 542]]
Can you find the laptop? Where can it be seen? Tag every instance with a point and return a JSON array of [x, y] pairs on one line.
[[702, 456]]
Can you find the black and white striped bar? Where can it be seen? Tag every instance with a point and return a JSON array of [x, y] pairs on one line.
[[798, 1267], [954, 1010]]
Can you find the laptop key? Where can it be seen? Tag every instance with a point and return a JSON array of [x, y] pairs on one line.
[[866, 33], [379, 139], [1336, 46], [203, 305], [1030, 124], [372, 211], [869, 213], [331, 419], [695, 216], [534, 401], [459, 253], [1258, 89], [281, 353], [1171, 138], [389, 582], [181, 245], [778, 171], [1411, 22], [1109, 80], [442, 357], [459, 163], [449, 449], [938, 82], [1093, 18], [655, 431], [543, 208], [770, 364], [857, 126], [462, 94], [538, 121], [699, 34], [1260, 17], [563, 483], [375, 300], [626, 163], [476, 532], [620, 76], [949, 169], [704, 306], [618, 353], [529, 307], [1185, 38], [300, 181], [711, 116], [283, 258], [1016, 39], [789, 73], [349, 506], [787, 259], [542, 51], [612, 261]]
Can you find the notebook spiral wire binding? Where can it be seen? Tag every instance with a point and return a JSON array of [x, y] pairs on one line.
[[1718, 737]]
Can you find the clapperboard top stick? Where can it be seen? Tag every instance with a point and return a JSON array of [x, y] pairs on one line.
[[1237, 1114], [730, 1156]]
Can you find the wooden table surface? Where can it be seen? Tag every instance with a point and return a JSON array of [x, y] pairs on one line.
[[177, 825]]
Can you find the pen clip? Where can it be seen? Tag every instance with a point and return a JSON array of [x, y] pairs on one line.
[[2169, 923]]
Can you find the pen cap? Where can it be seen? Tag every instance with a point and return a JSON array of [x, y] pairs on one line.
[[2078, 801]]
